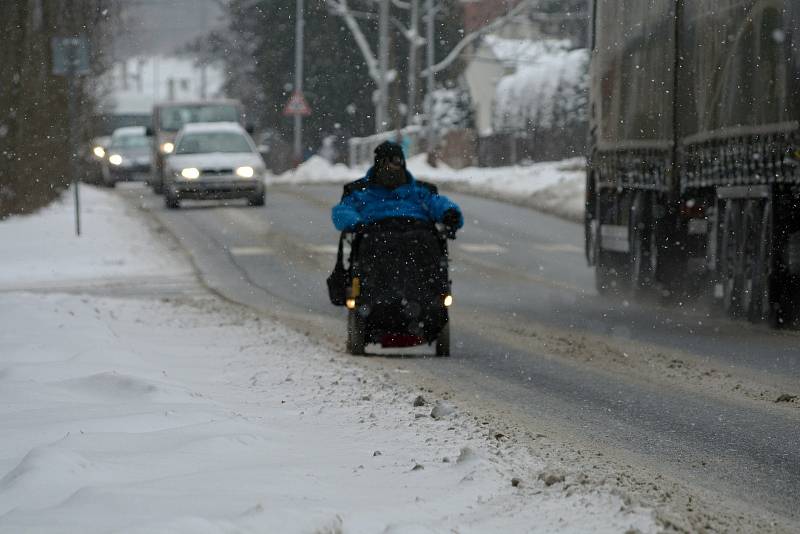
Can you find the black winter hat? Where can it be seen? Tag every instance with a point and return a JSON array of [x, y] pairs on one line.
[[389, 150]]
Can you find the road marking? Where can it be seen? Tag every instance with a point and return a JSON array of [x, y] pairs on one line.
[[557, 247], [251, 251], [482, 248], [323, 249], [246, 218]]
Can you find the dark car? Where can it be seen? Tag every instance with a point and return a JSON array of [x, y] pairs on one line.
[[127, 156]]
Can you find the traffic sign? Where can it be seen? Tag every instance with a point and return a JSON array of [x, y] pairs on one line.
[[71, 59], [70, 56], [297, 106]]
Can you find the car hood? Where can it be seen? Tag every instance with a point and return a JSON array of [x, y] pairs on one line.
[[216, 160]]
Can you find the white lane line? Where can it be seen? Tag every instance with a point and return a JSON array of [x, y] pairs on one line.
[[557, 247], [482, 248], [323, 249], [251, 251], [492, 248]]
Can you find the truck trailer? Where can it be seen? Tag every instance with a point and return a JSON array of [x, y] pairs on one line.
[[693, 178]]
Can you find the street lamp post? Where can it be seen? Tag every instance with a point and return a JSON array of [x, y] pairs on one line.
[[298, 81], [430, 56], [412, 63], [382, 111]]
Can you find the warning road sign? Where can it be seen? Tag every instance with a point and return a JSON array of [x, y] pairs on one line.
[[297, 105]]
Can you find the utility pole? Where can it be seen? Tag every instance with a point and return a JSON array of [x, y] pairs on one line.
[[203, 81], [72, 113], [382, 111], [412, 63], [430, 53], [156, 81], [298, 82]]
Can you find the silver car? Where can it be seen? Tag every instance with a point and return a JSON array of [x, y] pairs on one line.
[[214, 161]]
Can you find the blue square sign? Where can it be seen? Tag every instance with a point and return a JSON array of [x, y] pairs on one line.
[[70, 55]]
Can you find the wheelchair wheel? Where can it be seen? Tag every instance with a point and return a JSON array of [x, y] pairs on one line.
[[355, 334], [443, 341]]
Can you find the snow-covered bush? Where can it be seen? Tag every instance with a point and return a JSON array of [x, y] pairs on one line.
[[548, 88], [452, 110]]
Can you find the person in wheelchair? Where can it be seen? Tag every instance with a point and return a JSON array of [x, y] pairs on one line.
[[390, 191], [397, 283]]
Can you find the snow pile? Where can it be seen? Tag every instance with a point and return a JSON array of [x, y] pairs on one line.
[[317, 169], [556, 187], [148, 415], [548, 89]]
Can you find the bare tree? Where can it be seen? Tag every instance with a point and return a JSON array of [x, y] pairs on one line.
[[468, 39], [382, 77], [34, 157]]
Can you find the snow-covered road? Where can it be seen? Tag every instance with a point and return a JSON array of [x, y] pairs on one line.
[[138, 405]]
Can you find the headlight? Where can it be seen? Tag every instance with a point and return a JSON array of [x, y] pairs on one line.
[[167, 147], [190, 173], [448, 300], [115, 159], [245, 172], [99, 151]]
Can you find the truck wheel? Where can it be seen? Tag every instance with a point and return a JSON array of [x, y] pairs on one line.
[[443, 341], [589, 218], [643, 252], [730, 262], [749, 249], [355, 333], [762, 306]]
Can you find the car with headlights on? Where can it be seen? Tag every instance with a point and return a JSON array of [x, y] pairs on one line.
[[216, 160], [127, 156], [94, 156]]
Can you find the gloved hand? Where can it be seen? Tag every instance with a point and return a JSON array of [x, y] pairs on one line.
[[450, 220]]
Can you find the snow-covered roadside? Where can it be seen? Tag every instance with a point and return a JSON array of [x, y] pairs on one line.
[[144, 414], [556, 187], [41, 250]]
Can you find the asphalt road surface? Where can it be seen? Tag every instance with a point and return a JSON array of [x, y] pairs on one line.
[[674, 388]]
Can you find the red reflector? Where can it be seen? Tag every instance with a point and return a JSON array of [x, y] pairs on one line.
[[397, 341]]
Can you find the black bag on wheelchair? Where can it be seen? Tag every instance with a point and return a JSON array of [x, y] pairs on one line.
[[338, 279]]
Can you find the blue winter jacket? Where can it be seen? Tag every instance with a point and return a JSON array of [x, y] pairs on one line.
[[367, 203]]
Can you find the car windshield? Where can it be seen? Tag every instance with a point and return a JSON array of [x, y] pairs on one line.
[[130, 141], [173, 118], [200, 143]]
